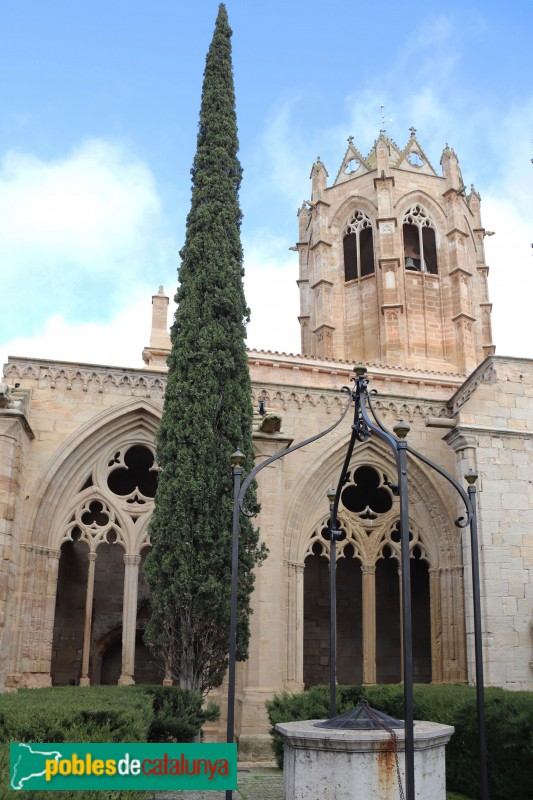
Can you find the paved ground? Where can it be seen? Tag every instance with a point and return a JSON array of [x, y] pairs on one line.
[[256, 783]]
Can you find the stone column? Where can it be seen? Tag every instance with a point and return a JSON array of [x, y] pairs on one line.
[[84, 679], [129, 618], [295, 640], [369, 623], [465, 446], [50, 609], [15, 438], [265, 670], [436, 625]]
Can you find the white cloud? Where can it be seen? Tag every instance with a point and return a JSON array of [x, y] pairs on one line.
[[271, 294], [75, 233], [82, 208], [118, 342]]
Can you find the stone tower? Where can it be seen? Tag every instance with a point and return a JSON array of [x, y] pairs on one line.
[[392, 263]]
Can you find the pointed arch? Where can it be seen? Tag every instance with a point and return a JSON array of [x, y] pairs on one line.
[[436, 551], [429, 504], [435, 209], [354, 201], [133, 422]]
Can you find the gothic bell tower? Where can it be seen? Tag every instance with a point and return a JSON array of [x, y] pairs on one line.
[[392, 262]]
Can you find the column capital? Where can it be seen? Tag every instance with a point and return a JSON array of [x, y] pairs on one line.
[[461, 439], [368, 569], [92, 555], [132, 560], [295, 565]]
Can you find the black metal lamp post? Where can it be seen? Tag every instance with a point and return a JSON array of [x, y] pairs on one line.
[[334, 536], [366, 424], [237, 460], [471, 478]]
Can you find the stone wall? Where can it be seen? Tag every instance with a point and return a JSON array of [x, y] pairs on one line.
[[495, 435]]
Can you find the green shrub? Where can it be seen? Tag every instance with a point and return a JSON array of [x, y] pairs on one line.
[[509, 717], [96, 714], [312, 704], [178, 715], [455, 796], [509, 723]]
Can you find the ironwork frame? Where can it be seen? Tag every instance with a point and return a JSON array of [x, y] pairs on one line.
[[366, 424]]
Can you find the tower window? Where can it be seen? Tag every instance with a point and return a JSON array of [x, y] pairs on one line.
[[419, 241], [358, 245]]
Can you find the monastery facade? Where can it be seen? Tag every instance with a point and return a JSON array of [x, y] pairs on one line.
[[392, 273]]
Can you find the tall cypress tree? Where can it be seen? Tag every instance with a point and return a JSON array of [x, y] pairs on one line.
[[207, 411]]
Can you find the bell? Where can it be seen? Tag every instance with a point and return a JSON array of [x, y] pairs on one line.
[[410, 264]]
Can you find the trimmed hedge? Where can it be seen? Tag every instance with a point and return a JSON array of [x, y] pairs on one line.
[[96, 714], [178, 715], [509, 718]]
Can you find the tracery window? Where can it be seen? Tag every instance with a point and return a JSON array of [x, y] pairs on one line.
[[358, 244], [419, 241], [98, 628]]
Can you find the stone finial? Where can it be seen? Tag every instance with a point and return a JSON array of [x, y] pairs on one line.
[[319, 176], [401, 429], [382, 156], [450, 168], [237, 459], [413, 132]]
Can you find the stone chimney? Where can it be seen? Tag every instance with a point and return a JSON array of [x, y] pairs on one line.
[[155, 356]]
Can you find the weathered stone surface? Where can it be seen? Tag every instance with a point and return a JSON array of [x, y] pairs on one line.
[[361, 765]]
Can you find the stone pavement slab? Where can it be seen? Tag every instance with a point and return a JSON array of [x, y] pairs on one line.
[[256, 783]]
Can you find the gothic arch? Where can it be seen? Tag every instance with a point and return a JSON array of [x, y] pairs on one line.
[[133, 422], [430, 519], [351, 203], [61, 490], [429, 504], [429, 203]]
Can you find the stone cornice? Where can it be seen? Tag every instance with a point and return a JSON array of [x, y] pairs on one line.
[[87, 377], [306, 370], [320, 282], [466, 434], [400, 406], [457, 231], [318, 243], [460, 270]]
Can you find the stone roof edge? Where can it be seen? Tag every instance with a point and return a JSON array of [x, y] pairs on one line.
[[267, 357], [279, 360], [76, 365], [484, 373]]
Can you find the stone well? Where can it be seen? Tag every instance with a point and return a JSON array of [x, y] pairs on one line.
[[324, 764]]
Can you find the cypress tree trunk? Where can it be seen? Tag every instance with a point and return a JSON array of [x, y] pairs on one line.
[[207, 411]]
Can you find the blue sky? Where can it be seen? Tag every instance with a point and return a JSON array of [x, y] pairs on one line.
[[98, 117]]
